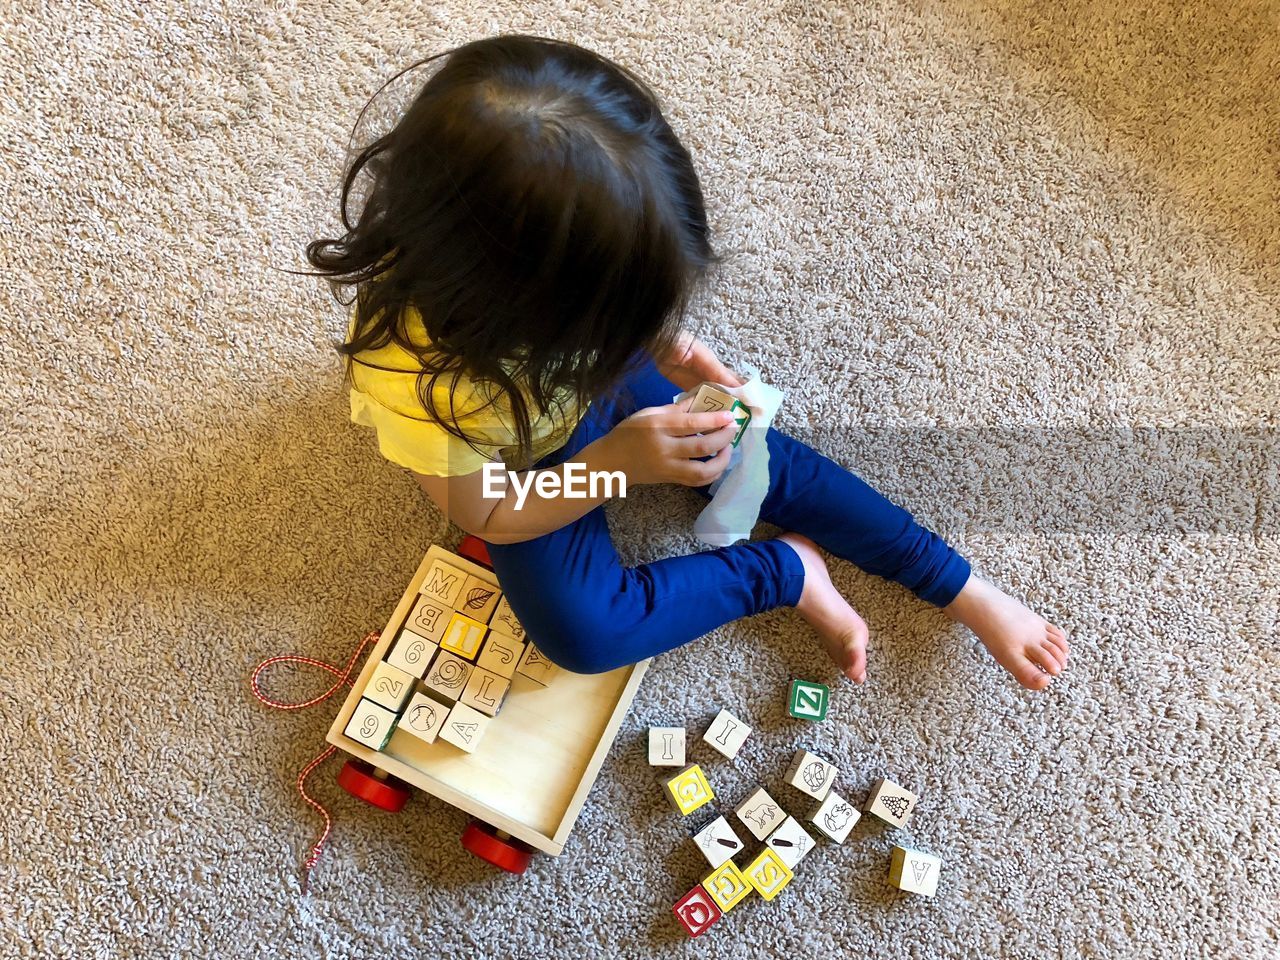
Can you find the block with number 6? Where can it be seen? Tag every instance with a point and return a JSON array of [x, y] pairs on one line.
[[412, 653]]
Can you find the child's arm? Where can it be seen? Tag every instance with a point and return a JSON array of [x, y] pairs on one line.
[[655, 445]]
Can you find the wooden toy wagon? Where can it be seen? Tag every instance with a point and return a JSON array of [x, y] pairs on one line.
[[457, 702]]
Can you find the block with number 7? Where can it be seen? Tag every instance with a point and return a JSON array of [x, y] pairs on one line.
[[808, 701]]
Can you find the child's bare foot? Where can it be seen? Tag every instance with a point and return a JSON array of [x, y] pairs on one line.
[[1025, 643], [843, 632]]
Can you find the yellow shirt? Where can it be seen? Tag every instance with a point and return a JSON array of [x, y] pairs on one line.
[[387, 401]]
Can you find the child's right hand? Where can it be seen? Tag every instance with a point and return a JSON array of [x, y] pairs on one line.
[[660, 444]]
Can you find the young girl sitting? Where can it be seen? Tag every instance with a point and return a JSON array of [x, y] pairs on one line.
[[530, 240]]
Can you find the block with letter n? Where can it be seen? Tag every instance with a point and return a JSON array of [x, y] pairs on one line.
[[808, 701]]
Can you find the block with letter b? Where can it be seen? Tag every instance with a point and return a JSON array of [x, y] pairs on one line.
[[808, 701], [689, 789], [428, 619], [697, 911]]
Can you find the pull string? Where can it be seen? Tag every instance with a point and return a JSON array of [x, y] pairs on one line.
[[344, 679]]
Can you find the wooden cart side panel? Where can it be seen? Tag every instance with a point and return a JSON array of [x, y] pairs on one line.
[[602, 751]]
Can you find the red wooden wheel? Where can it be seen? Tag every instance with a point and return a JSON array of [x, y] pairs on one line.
[[473, 548], [356, 777], [510, 854]]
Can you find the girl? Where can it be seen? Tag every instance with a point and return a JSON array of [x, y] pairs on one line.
[[530, 241]]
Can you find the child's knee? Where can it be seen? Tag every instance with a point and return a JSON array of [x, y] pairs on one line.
[[579, 637]]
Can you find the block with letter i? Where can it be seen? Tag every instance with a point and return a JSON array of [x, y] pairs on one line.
[[389, 686], [697, 911], [463, 636], [914, 871], [718, 842], [689, 790], [371, 724], [711, 399], [761, 813], [810, 774], [791, 842], [535, 666], [727, 734], [666, 746], [727, 886], [464, 727], [891, 803], [768, 874], [807, 700], [835, 817], [423, 718]]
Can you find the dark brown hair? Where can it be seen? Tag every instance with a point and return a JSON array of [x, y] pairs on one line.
[[537, 210]]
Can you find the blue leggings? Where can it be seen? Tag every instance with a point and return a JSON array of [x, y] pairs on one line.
[[589, 613]]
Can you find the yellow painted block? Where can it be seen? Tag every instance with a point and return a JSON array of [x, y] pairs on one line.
[[689, 789], [768, 874], [463, 636], [727, 885]]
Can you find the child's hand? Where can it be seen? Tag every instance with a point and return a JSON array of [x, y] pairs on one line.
[[691, 363], [659, 444]]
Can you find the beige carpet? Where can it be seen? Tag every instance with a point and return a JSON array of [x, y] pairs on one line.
[[1019, 269]]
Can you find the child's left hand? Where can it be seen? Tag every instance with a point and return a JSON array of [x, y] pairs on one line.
[[691, 363]]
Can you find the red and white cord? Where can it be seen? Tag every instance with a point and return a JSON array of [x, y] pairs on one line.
[[344, 679]]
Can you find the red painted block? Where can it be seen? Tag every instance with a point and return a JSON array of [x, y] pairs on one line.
[[696, 911]]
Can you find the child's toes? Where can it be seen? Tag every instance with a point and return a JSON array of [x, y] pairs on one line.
[[1046, 658], [1057, 637], [1030, 674]]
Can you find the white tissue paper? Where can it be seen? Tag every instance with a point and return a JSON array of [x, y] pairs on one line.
[[736, 496]]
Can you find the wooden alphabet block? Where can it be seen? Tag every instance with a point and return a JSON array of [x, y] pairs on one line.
[[697, 911], [477, 599], [727, 734], [810, 774], [485, 691], [464, 727], [808, 701], [389, 686], [448, 675], [891, 803], [443, 583], [835, 817], [914, 871], [727, 886], [371, 724], [768, 874], [412, 653], [689, 789], [500, 654], [711, 398], [718, 842], [423, 717], [666, 746], [428, 619], [761, 813], [463, 636], [791, 842], [535, 666], [504, 620]]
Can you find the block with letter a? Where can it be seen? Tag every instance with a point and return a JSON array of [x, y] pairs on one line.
[[464, 727]]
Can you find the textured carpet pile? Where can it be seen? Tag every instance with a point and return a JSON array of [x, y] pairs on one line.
[[1016, 266]]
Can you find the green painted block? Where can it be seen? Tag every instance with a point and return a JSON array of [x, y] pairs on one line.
[[742, 417], [808, 701]]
